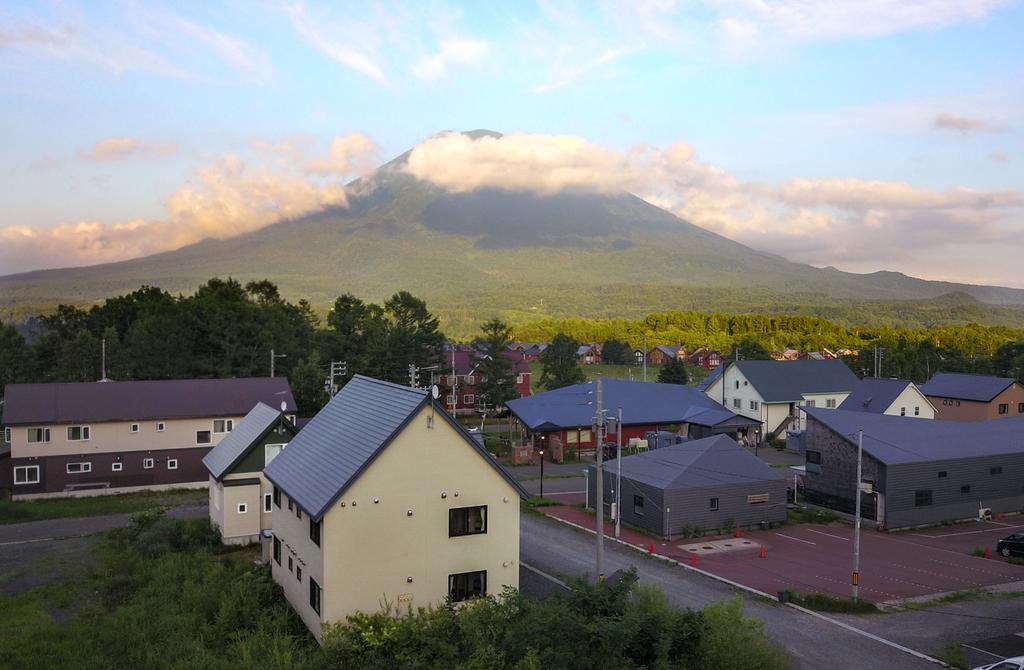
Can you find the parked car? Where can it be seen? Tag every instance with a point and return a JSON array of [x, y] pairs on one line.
[[1011, 544], [1015, 663]]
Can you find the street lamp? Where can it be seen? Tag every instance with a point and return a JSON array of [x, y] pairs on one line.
[[542, 473]]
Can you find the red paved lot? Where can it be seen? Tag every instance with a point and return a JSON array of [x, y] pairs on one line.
[[818, 558]]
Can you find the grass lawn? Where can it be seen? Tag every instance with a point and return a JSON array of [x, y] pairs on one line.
[[62, 508], [634, 372]]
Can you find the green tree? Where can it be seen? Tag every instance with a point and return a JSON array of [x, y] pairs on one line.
[[752, 350], [17, 360], [560, 365], [497, 383], [616, 352], [674, 372], [307, 382]]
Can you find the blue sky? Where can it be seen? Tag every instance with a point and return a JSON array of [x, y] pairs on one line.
[[865, 135]]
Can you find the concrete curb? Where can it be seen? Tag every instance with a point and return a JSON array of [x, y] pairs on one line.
[[748, 589]]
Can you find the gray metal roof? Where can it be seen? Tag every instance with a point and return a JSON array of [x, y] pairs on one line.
[[875, 395], [788, 381], [711, 378], [331, 452], [896, 440], [236, 444], [712, 461], [141, 400], [980, 388]]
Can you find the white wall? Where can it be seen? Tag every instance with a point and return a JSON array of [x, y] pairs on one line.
[[910, 398]]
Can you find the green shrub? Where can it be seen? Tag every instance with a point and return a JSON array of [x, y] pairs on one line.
[[822, 602]]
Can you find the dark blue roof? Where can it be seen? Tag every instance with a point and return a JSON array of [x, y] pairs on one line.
[[874, 394], [236, 444], [788, 381], [343, 439], [711, 378], [642, 403], [895, 439], [712, 461], [980, 388]]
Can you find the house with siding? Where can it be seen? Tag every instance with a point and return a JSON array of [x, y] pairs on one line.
[[914, 473], [710, 483], [663, 353], [384, 498], [896, 397], [241, 498], [966, 397], [706, 358], [589, 354], [561, 419], [461, 395], [120, 436], [773, 392]]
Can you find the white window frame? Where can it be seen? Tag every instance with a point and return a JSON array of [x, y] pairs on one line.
[[84, 431], [148, 463], [291, 417], [227, 426], [470, 380], [450, 400], [84, 467], [243, 508], [268, 503], [44, 435], [7, 434], [266, 461], [519, 378], [25, 470], [209, 441], [172, 463], [754, 406], [133, 428], [469, 399], [161, 426], [116, 466], [830, 403]]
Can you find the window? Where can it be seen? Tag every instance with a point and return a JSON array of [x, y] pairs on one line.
[[298, 572], [737, 403], [757, 498], [133, 428], [809, 403], [917, 411], [270, 452], [942, 473], [470, 380], [572, 437], [147, 463], [922, 498], [172, 463], [638, 505], [314, 531], [466, 585], [713, 506], [966, 488], [903, 411], [78, 468], [1004, 408], [998, 470], [291, 564], [243, 508], [813, 457], [116, 466], [830, 403], [26, 474], [160, 426], [268, 502], [298, 512], [754, 405], [77, 433], [314, 595], [38, 434], [519, 378], [468, 399], [1020, 410], [737, 383], [291, 418], [203, 437], [277, 497], [277, 551], [290, 508], [223, 425], [467, 521], [7, 435], [450, 400]]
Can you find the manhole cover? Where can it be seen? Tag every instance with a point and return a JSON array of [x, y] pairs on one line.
[[706, 547]]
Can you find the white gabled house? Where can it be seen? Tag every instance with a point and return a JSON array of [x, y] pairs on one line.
[[895, 397]]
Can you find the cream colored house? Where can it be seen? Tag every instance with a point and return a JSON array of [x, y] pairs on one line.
[[384, 501], [241, 502], [895, 397]]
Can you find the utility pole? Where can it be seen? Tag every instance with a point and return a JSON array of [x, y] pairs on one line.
[[618, 474], [599, 420], [273, 359], [338, 368], [856, 519], [645, 356], [413, 375]]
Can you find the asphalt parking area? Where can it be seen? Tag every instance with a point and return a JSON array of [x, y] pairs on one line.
[[990, 650], [893, 566]]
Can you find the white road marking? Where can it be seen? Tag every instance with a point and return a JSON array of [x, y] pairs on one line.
[[790, 537], [811, 530], [969, 532], [562, 493], [543, 574], [982, 651], [41, 539]]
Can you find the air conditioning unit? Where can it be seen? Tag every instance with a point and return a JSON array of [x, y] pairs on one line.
[[984, 514]]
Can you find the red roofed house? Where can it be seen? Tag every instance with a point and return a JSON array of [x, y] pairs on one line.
[[463, 363], [706, 358]]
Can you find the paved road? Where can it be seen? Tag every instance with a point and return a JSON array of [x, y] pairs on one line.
[[811, 642]]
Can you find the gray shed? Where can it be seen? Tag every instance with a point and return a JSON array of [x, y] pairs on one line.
[[710, 483]]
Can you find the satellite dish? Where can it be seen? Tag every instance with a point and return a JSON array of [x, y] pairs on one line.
[[284, 405], [435, 392]]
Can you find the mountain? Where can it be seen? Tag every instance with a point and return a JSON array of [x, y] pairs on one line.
[[487, 251]]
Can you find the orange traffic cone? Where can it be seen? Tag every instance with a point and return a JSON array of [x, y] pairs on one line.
[[693, 559], [764, 553]]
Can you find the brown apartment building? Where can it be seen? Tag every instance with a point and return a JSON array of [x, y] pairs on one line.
[[965, 397], [113, 437]]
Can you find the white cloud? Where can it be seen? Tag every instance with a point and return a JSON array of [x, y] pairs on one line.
[[120, 148], [350, 154], [453, 52], [966, 124], [351, 43]]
